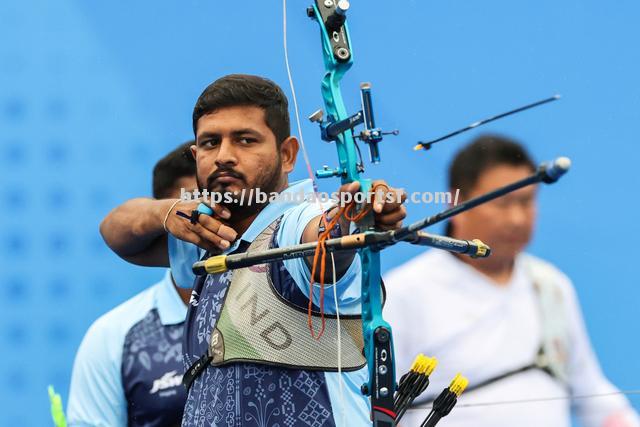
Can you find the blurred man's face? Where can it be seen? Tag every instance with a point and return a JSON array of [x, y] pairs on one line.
[[505, 224], [189, 184]]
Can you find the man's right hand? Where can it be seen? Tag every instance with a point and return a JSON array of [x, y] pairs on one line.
[[209, 233]]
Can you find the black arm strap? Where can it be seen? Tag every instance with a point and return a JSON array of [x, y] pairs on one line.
[[195, 370]]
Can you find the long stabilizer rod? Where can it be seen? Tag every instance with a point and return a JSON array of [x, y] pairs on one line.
[[548, 173], [222, 263]]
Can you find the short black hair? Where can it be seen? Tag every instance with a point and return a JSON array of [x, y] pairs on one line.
[[246, 90], [482, 154], [175, 165]]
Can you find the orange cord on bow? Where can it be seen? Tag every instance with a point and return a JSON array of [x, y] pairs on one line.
[[321, 255]]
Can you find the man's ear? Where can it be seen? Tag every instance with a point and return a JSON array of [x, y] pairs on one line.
[[289, 153], [193, 150], [456, 219]]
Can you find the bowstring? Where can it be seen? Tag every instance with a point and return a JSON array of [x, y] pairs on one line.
[[324, 218], [295, 98], [535, 400], [335, 300]]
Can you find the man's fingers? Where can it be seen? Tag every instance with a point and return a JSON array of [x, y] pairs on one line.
[[205, 244], [387, 203], [204, 238], [222, 242], [387, 199], [190, 205], [208, 233], [220, 211], [390, 206], [385, 227], [352, 188], [214, 226], [403, 194], [393, 217]]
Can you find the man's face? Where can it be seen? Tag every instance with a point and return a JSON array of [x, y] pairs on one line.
[[236, 150], [506, 224]]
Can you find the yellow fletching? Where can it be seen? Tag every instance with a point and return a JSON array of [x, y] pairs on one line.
[[431, 364], [216, 264], [459, 384], [415, 366], [418, 147], [424, 364]]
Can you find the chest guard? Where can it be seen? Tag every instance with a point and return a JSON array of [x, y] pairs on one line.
[[257, 325], [555, 346]]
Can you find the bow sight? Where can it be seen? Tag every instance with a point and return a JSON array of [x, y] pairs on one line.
[[332, 18]]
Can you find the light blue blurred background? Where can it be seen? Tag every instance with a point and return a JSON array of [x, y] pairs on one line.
[[93, 93]]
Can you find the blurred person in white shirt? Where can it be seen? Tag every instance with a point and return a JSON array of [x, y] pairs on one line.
[[511, 322]]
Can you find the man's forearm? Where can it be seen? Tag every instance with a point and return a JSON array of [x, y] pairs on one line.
[[342, 260], [135, 226]]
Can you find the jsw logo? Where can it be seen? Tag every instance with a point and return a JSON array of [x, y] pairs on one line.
[[168, 380]]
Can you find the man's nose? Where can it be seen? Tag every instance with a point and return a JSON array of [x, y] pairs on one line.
[[517, 214], [226, 153]]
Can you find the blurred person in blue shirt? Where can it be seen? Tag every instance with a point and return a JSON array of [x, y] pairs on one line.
[[128, 370], [254, 360]]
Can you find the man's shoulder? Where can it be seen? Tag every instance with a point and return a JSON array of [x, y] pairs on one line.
[[114, 324], [545, 271], [306, 208], [541, 265]]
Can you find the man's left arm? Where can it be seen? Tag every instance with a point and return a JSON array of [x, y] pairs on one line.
[[388, 211], [587, 378], [301, 224]]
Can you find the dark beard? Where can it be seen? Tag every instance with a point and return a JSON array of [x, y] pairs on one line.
[[241, 210]]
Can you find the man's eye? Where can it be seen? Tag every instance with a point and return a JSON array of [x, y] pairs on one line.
[[208, 143], [502, 202], [247, 140], [526, 202]]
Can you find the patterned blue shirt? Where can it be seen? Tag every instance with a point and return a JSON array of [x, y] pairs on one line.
[[129, 367], [246, 394]]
